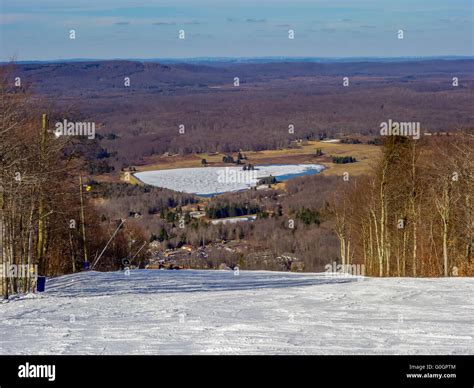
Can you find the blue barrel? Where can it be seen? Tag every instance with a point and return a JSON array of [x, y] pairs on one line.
[[86, 265], [41, 283]]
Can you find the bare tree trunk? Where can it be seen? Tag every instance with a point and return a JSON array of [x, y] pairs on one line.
[[73, 258], [378, 244], [3, 252], [413, 206], [443, 205], [83, 225], [371, 245]]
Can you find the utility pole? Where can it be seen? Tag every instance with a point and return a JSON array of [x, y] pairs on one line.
[[40, 244]]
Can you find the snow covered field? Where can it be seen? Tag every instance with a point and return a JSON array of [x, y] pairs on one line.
[[218, 312], [216, 180]]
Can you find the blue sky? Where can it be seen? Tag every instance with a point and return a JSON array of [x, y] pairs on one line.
[[39, 29]]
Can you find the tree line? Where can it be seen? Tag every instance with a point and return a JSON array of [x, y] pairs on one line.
[[413, 215], [48, 223]]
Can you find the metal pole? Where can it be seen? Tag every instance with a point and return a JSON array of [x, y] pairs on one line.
[[108, 242], [138, 251]]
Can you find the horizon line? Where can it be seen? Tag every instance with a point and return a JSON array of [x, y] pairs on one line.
[[243, 58]]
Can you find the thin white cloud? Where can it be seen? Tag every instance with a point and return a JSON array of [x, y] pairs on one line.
[[11, 18]]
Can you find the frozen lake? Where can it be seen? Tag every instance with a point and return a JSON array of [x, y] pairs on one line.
[[207, 181]]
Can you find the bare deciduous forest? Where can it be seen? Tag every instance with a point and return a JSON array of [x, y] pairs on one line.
[[142, 121], [411, 215]]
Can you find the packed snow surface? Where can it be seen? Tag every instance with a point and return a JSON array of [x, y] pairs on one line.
[[220, 312], [216, 180]]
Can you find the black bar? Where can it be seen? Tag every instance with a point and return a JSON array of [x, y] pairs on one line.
[[291, 371]]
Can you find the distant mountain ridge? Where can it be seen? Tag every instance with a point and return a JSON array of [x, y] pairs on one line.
[[100, 76], [141, 120], [255, 59]]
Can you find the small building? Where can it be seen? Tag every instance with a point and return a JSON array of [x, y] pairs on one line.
[[267, 180], [187, 247], [197, 214]]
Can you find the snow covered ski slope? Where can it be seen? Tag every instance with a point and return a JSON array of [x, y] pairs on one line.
[[218, 312]]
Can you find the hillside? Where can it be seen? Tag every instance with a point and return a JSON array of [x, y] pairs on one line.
[[142, 120], [219, 312]]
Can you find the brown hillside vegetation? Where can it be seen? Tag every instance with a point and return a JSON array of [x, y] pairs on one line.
[[413, 216], [143, 120]]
